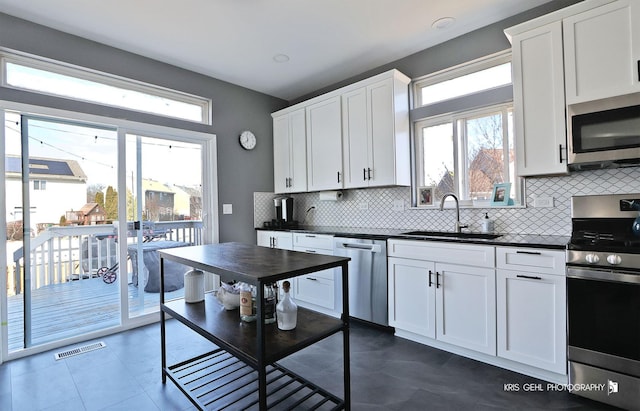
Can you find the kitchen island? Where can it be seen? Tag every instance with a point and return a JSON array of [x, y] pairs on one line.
[[242, 372]]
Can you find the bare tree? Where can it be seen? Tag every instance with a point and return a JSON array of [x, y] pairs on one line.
[[486, 156]]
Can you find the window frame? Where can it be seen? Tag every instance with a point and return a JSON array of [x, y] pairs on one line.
[[455, 72], [102, 78], [465, 107]]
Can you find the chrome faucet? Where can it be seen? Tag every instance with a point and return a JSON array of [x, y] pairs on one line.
[[459, 226]]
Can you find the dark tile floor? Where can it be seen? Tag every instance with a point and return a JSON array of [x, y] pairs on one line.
[[388, 373]]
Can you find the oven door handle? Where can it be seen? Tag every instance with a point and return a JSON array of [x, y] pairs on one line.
[[603, 275]]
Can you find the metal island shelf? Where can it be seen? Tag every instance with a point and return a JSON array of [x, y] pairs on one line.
[[242, 372]]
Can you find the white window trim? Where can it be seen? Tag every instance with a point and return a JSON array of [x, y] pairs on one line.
[[518, 186], [453, 118], [457, 71], [83, 73]]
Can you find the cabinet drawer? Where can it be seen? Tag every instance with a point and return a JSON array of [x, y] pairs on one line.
[[315, 290], [318, 241], [531, 259], [465, 254], [328, 274]]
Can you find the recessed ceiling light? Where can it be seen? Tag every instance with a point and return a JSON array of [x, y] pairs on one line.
[[443, 23], [280, 58]]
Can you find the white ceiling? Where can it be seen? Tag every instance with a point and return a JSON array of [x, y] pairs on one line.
[[235, 40]]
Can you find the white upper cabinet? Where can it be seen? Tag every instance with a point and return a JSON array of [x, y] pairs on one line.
[[289, 152], [324, 145], [375, 133], [538, 100], [602, 52], [568, 56], [356, 136]]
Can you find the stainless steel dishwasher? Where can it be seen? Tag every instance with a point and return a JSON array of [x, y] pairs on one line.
[[367, 277]]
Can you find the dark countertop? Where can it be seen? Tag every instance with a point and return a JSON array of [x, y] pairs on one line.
[[505, 240]]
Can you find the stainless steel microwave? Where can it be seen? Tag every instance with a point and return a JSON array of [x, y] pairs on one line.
[[604, 133]]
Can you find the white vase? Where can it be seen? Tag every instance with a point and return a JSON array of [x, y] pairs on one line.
[[194, 286]]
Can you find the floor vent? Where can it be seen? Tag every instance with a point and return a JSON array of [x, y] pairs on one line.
[[80, 350]]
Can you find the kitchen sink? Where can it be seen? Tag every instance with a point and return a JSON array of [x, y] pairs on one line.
[[482, 236]]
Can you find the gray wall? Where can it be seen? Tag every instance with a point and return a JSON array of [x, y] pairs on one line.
[[240, 172]]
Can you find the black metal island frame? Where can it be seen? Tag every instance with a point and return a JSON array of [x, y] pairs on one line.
[[242, 371]]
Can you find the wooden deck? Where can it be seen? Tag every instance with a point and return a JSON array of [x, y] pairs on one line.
[[74, 308]]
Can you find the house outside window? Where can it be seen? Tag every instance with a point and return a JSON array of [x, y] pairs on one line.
[[463, 131], [40, 185]]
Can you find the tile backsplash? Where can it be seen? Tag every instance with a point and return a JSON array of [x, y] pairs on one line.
[[374, 208]]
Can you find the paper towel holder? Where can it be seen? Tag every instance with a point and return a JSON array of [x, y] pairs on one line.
[[330, 195]]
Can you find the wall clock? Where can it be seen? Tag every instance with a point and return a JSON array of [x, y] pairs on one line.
[[247, 140]]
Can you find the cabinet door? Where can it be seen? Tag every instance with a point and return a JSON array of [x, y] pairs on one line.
[[275, 239], [318, 288], [412, 296], [539, 108], [602, 51], [355, 134], [531, 319], [282, 240], [289, 153], [315, 289], [324, 145], [466, 307], [298, 152], [281, 154], [382, 143]]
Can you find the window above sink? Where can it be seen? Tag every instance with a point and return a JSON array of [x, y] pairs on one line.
[[463, 142]]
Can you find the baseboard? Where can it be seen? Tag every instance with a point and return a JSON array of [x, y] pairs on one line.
[[525, 369]]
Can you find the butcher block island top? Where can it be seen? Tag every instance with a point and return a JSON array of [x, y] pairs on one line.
[[255, 347]]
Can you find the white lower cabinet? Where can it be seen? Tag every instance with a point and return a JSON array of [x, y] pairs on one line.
[[319, 290], [501, 305], [466, 307], [451, 303], [412, 302], [275, 239], [531, 301]]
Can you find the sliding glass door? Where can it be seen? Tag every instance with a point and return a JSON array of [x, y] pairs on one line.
[[56, 173], [164, 210], [87, 209]]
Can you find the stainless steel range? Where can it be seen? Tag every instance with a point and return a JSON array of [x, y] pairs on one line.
[[603, 299]]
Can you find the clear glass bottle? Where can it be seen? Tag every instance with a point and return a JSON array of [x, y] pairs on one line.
[[270, 300], [247, 302], [287, 310]]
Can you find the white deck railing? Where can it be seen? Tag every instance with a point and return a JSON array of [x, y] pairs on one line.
[[61, 254]]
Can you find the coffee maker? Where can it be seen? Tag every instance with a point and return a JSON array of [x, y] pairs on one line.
[[284, 212]]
